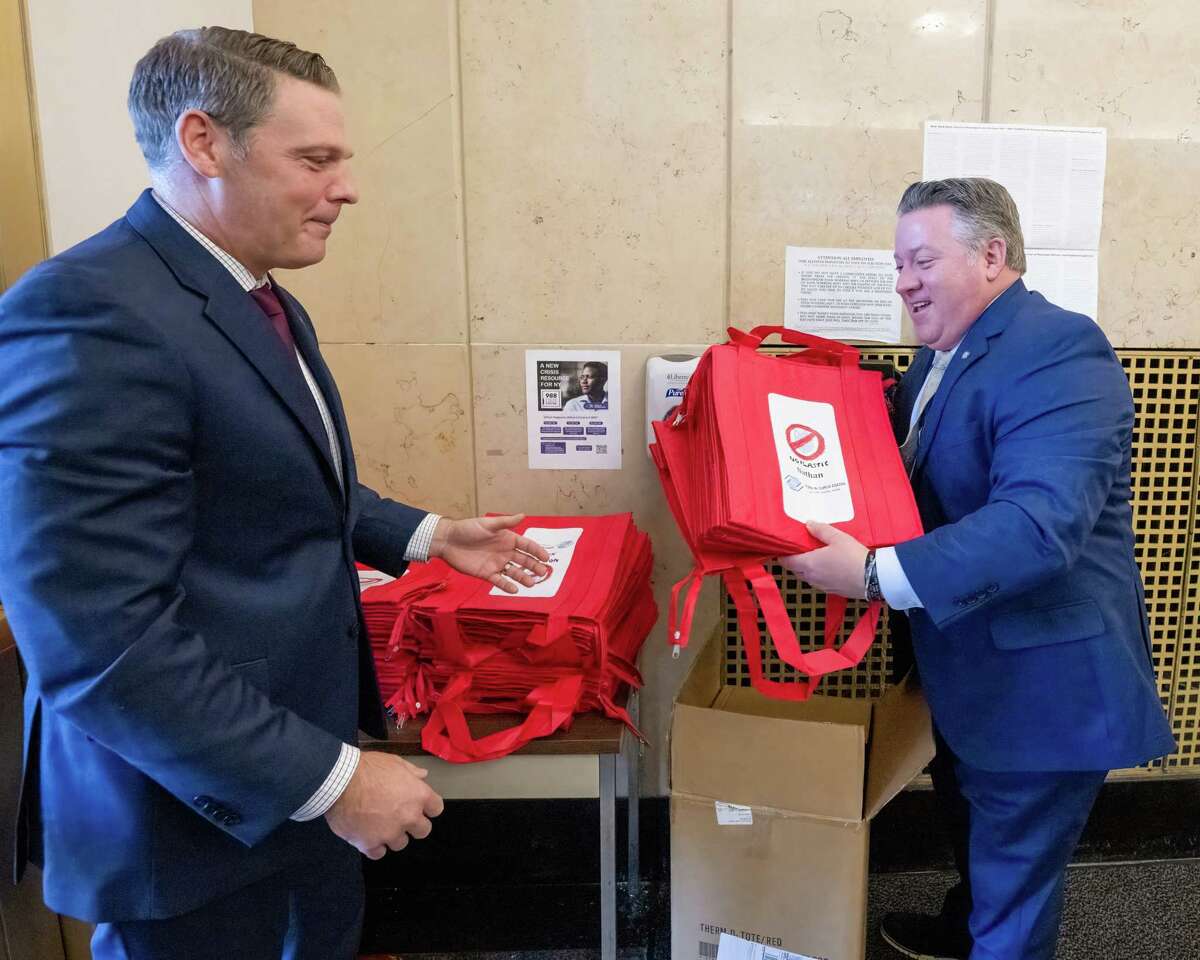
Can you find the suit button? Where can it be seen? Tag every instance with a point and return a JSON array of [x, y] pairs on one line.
[[203, 802], [231, 819], [993, 588], [352, 632]]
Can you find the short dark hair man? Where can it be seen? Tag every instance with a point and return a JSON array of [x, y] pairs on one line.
[[593, 381], [1026, 609], [181, 519]]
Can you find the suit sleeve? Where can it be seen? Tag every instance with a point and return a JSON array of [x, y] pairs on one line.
[[96, 520], [1061, 428], [382, 531]]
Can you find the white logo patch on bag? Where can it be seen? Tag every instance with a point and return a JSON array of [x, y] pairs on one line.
[[560, 543], [812, 470]]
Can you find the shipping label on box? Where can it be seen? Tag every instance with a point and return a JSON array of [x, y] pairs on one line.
[[738, 948]]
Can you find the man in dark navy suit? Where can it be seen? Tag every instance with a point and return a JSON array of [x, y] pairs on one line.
[[1024, 601], [179, 524]]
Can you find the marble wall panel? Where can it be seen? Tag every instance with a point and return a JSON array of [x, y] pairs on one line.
[[409, 409], [394, 272], [827, 108], [1131, 68], [595, 167], [1129, 65], [1150, 244], [507, 485]]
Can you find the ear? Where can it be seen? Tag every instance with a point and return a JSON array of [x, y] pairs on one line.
[[202, 143], [995, 256]]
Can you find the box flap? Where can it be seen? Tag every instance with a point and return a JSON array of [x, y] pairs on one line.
[[812, 767], [901, 743]]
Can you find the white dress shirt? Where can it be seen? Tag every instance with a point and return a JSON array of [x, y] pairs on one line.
[[893, 582]]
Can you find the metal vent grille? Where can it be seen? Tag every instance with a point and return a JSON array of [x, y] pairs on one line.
[[1166, 491]]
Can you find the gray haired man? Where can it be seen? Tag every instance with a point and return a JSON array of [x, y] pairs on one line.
[[1023, 598]]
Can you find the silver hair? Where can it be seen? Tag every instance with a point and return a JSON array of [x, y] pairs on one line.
[[229, 74], [983, 210]]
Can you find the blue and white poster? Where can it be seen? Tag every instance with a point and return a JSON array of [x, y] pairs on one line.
[[573, 407]]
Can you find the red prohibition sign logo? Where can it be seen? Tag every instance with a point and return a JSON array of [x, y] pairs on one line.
[[805, 442]]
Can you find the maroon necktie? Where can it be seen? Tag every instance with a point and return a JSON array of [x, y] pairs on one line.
[[266, 297]]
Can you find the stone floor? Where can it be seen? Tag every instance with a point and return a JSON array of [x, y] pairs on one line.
[[1116, 911]]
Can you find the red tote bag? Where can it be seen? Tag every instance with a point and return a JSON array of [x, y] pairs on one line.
[[761, 444]]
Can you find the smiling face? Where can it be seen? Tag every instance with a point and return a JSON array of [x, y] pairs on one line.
[[277, 204], [944, 284]]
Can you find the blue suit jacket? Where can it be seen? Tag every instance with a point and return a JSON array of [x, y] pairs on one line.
[[177, 561], [1033, 645]]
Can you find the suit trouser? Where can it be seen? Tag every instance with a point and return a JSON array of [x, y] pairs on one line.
[[313, 913], [1013, 834]]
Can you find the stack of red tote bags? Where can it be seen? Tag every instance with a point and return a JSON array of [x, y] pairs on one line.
[[761, 444], [449, 645]]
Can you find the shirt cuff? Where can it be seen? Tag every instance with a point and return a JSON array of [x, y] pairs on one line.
[[422, 539], [334, 786], [893, 582]]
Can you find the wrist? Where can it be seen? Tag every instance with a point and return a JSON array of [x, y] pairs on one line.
[[871, 588], [441, 536]]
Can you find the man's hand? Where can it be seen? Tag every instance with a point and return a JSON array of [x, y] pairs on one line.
[[486, 547], [836, 567], [386, 802]]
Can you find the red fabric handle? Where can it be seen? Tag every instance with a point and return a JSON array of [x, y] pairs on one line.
[[447, 735], [678, 630], [843, 351], [779, 627]]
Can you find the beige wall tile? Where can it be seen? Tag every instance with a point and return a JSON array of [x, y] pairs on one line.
[[1128, 65], [506, 484], [394, 272], [410, 420], [874, 63], [595, 169], [1131, 69], [1150, 244], [827, 112], [811, 187]]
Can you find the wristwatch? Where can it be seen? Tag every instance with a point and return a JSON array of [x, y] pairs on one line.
[[871, 578]]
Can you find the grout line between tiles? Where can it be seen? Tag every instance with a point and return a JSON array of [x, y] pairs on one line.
[[464, 260]]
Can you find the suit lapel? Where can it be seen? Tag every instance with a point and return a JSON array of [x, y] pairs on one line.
[[232, 310], [974, 346]]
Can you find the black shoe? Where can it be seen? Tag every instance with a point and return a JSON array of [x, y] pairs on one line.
[[923, 937]]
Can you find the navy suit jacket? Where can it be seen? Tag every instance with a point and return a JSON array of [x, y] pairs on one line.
[[1033, 645], [177, 561]]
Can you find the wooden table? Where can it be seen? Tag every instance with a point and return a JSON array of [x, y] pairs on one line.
[[591, 734]]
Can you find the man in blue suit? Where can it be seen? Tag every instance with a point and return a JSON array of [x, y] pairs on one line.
[[179, 524], [1025, 604]]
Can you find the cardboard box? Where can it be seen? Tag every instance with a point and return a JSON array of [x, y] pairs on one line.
[[791, 870]]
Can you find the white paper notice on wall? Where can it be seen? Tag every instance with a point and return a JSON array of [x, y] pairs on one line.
[[842, 294], [1067, 278], [1055, 174], [573, 409], [560, 544], [736, 948], [733, 815]]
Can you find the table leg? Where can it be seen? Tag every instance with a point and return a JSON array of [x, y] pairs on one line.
[[633, 781], [608, 856]]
